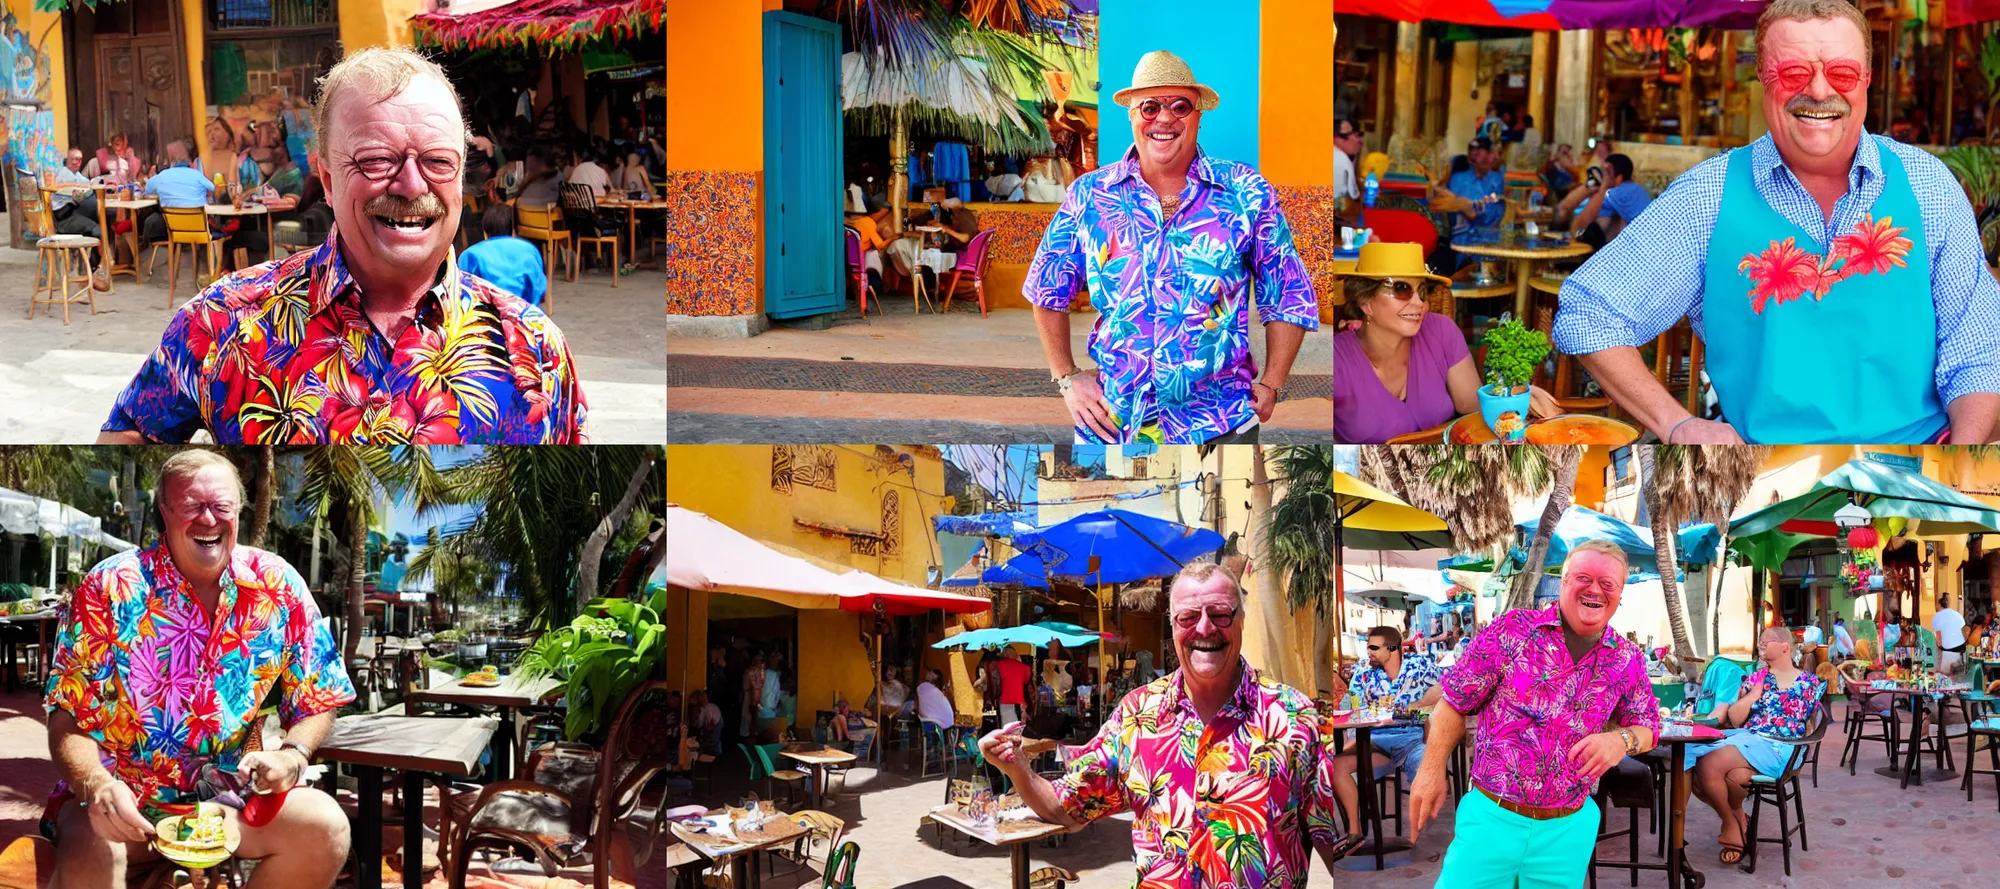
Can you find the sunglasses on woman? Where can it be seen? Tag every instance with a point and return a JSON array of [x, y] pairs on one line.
[[1403, 291], [1178, 108]]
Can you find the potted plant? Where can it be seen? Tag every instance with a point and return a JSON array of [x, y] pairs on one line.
[[600, 658], [1512, 353]]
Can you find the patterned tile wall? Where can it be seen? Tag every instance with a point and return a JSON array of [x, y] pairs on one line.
[[1315, 232]]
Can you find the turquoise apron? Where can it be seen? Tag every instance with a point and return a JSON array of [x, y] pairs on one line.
[[1797, 360]]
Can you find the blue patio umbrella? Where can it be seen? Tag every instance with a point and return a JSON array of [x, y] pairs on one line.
[[1579, 524], [1106, 546], [1039, 635]]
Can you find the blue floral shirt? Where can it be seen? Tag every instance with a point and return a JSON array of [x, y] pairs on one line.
[[1418, 675], [1783, 712], [1172, 340]]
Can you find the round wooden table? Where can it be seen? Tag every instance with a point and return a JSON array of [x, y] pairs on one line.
[[248, 209], [632, 208], [130, 211], [1524, 257]]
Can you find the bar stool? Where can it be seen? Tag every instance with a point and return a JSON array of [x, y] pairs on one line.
[[58, 254], [1980, 722], [1857, 720]]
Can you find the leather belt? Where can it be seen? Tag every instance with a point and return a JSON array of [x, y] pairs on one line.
[[1539, 813]]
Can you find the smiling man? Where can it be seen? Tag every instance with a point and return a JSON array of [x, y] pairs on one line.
[[1545, 684], [377, 336], [1837, 277], [164, 658], [1224, 770], [1169, 242]]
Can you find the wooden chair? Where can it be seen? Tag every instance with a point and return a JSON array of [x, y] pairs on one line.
[[1051, 878], [544, 224], [59, 253], [609, 828], [189, 226], [1784, 794], [581, 199]]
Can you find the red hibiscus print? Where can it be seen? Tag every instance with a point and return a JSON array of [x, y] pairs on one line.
[[1782, 273], [1875, 246], [429, 415]]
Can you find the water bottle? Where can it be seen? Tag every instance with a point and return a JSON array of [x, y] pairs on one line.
[[1370, 190]]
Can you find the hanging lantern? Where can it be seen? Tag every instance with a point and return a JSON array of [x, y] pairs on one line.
[[1864, 537]]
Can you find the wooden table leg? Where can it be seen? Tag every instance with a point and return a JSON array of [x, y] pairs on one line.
[[413, 828], [368, 834], [1020, 865], [104, 240], [1693, 397]]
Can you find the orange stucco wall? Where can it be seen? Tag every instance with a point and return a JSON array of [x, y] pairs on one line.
[[715, 85], [1295, 120]]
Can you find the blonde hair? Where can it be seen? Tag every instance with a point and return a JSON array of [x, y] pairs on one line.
[[1198, 572], [1598, 546], [1810, 10], [184, 465], [378, 72]]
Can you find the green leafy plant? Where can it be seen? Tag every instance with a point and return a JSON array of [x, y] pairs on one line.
[[1512, 352], [600, 658], [1978, 170]]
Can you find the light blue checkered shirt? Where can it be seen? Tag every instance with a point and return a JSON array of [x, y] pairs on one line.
[[1651, 275]]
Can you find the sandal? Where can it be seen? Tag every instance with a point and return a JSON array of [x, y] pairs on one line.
[[1341, 847], [1728, 851]]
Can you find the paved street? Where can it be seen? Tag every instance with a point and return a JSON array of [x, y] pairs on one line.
[[57, 382], [917, 378], [1865, 833]]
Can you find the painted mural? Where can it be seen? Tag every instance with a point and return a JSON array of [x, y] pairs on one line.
[[24, 83]]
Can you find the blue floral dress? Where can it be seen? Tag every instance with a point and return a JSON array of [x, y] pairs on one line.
[[1778, 714]]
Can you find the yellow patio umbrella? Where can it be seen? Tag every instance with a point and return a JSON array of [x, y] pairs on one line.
[[1367, 517]]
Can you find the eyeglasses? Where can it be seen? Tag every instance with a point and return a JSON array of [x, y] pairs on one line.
[[223, 510], [1177, 108], [1378, 648], [1841, 74], [1221, 620], [1403, 291], [1347, 134], [438, 166]]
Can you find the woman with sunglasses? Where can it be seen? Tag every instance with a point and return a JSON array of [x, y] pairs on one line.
[[1400, 368]]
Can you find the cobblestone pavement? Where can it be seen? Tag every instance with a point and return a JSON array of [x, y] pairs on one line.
[[57, 381], [724, 372], [1865, 833], [708, 428]]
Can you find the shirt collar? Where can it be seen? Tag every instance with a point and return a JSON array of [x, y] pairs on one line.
[[331, 279], [165, 575], [1551, 617], [1766, 162], [1202, 169], [1241, 700]]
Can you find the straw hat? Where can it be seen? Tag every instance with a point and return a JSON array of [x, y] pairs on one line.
[[1382, 259], [1161, 68]]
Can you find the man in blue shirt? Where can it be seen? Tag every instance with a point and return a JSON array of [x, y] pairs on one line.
[[75, 213], [1836, 278], [1609, 207], [179, 185], [1483, 181], [505, 261]]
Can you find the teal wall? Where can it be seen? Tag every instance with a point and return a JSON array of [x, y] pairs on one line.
[[1220, 41]]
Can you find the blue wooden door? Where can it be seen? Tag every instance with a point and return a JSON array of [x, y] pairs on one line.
[[804, 254]]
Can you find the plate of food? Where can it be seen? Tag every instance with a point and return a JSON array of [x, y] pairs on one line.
[[485, 677], [202, 839], [1469, 429], [1582, 429]]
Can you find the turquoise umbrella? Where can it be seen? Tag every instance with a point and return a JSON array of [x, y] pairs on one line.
[[1039, 635]]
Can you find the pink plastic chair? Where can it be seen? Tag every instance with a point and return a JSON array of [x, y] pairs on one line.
[[858, 273], [972, 261]]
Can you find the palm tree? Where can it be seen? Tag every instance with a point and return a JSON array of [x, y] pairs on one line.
[[454, 576], [263, 493], [1472, 487], [1298, 542], [353, 482], [1681, 482], [593, 547]]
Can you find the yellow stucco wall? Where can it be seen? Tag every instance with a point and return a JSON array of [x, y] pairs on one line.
[[377, 23], [733, 485], [45, 34]]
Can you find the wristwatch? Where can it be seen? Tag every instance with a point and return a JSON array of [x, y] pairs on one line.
[[1631, 741], [1062, 381]]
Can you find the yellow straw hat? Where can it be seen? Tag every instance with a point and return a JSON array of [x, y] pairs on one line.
[[1161, 68], [1383, 259]]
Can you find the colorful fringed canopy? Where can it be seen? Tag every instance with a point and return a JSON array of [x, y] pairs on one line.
[[1558, 15], [549, 25]]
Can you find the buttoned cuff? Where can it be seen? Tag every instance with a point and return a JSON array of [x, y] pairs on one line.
[[1306, 317]]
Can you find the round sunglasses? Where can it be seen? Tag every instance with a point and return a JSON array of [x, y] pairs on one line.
[[1177, 108]]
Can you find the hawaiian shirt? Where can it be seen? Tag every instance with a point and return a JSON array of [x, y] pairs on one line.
[[282, 353], [1417, 676], [166, 689], [1787, 712], [1172, 339], [1534, 702], [1229, 804]]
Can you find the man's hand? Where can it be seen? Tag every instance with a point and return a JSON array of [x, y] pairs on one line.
[[1085, 400], [1002, 749], [114, 812], [1266, 401], [1541, 403], [1426, 799], [1596, 754], [1699, 431], [271, 771]]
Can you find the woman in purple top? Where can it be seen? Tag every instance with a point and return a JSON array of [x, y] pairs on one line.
[[1399, 368]]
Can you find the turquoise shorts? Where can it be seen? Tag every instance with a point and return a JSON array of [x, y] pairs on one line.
[[1492, 848]]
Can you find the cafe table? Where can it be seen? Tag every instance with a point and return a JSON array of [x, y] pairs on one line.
[[418, 745], [248, 209], [1012, 834], [817, 761], [632, 209], [737, 846], [510, 695], [42, 620], [1911, 770], [1524, 252], [1378, 845], [1673, 741], [129, 211]]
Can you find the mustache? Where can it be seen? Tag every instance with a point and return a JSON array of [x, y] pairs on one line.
[[426, 205], [1830, 105]]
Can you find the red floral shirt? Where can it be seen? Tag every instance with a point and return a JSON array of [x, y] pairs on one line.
[[283, 353]]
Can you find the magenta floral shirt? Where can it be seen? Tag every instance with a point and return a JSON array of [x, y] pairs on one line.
[[1783, 713], [1229, 805], [1534, 703], [1172, 340]]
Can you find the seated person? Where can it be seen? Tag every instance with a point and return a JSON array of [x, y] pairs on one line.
[[540, 184], [1776, 702], [1402, 369], [588, 172], [707, 722], [876, 235], [852, 728], [505, 261], [117, 163], [1560, 171], [632, 180], [1406, 680], [181, 185], [1603, 210], [933, 706], [895, 696], [1483, 183], [75, 212]]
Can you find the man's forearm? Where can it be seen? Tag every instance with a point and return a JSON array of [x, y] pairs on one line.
[[1447, 730], [1038, 794], [1973, 417], [1626, 378], [1281, 348], [121, 437], [1053, 327], [311, 731], [78, 758]]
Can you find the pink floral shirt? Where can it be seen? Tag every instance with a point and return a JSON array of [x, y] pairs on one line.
[[1229, 804], [1534, 703]]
